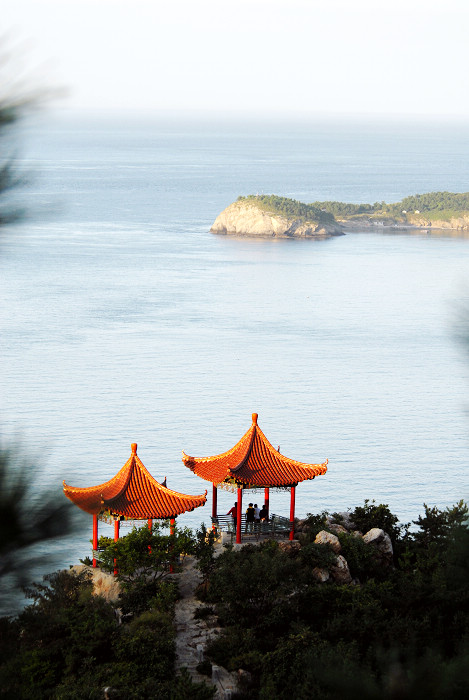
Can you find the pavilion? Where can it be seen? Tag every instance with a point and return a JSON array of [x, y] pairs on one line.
[[132, 494], [251, 464]]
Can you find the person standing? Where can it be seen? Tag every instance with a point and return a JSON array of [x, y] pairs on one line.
[[249, 518], [257, 517], [234, 514]]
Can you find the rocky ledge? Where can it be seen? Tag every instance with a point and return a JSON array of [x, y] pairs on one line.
[[247, 219]]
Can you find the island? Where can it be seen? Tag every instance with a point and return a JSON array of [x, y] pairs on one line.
[[281, 217], [273, 216]]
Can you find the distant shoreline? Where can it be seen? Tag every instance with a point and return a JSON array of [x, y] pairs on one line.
[[273, 216]]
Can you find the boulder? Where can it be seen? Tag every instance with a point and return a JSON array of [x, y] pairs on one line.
[[381, 542], [336, 528], [328, 539], [340, 571], [105, 585], [321, 575], [247, 218], [290, 546], [343, 519]]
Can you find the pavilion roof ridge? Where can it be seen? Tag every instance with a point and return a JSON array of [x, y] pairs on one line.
[[304, 465], [253, 461], [228, 453], [134, 493], [254, 427], [102, 486]]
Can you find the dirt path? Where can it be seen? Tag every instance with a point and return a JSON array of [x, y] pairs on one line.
[[193, 635]]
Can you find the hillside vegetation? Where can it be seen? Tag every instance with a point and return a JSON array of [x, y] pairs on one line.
[[289, 208], [435, 206], [399, 631], [432, 206]]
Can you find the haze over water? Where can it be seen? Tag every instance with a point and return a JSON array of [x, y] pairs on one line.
[[124, 320]]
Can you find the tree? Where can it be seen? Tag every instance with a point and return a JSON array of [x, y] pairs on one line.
[[146, 554]]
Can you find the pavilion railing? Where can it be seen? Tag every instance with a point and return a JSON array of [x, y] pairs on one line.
[[277, 525]]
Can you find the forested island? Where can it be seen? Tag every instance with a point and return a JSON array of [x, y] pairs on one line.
[[281, 217]]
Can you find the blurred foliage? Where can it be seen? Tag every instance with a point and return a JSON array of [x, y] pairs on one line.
[[28, 516]]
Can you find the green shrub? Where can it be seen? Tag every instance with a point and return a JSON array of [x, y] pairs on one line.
[[205, 668], [104, 541], [248, 583], [438, 525], [360, 557], [317, 555], [371, 515], [145, 553], [204, 550], [314, 524], [204, 611]]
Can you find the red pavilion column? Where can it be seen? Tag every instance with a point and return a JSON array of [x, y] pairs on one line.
[[171, 532], [214, 501], [95, 537], [116, 537], [292, 512], [266, 500], [239, 515]]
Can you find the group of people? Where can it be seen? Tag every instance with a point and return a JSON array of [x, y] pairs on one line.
[[254, 515]]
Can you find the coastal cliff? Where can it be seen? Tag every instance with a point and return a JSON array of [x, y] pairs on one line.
[[455, 223], [255, 216]]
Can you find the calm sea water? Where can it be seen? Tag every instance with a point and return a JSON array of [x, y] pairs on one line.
[[124, 320]]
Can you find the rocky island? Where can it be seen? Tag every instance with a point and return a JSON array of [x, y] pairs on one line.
[[281, 217]]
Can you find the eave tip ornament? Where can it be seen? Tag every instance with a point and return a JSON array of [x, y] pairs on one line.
[[254, 418]]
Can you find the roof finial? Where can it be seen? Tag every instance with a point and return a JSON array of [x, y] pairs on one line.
[[254, 418], [133, 447]]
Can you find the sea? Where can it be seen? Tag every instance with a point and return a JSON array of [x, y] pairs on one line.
[[123, 319]]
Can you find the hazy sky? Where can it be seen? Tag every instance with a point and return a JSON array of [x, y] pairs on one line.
[[332, 56]]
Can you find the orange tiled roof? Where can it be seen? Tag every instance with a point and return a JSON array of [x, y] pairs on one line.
[[253, 462], [134, 493]]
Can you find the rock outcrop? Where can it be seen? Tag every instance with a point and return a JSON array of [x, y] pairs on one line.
[[244, 218], [455, 223], [381, 542], [340, 571], [329, 540], [105, 585], [331, 537]]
